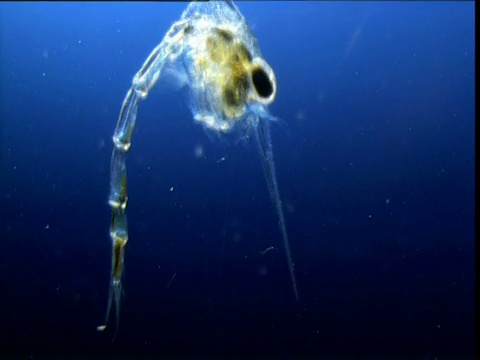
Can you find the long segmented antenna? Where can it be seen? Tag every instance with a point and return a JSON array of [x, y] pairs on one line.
[[142, 82]]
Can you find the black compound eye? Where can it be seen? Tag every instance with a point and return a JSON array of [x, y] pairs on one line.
[[262, 83]]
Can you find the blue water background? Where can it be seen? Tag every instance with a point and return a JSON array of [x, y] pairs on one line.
[[375, 163]]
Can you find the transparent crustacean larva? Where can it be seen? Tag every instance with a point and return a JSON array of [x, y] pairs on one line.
[[231, 86]]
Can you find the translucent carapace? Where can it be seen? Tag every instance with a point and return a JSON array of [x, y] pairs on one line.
[[226, 70]]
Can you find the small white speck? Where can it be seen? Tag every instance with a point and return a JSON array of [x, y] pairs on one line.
[[79, 41], [198, 151], [47, 227], [171, 189], [370, 216], [387, 201], [44, 74], [263, 252]]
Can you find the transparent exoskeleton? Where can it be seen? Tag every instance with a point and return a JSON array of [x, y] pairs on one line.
[[231, 85]]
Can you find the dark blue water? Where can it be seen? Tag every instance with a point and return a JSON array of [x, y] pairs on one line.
[[375, 163]]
